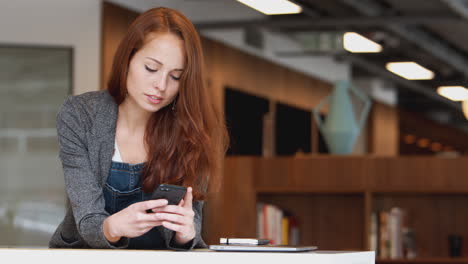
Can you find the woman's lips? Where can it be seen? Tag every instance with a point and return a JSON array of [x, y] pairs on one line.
[[153, 99]]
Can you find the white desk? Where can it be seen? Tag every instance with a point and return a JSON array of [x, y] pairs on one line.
[[82, 256]]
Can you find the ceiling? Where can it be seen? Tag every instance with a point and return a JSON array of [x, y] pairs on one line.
[[433, 33]]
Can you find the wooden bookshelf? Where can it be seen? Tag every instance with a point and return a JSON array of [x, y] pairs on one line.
[[317, 221], [334, 196]]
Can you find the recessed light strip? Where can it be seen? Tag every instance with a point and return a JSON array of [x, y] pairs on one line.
[[356, 43], [454, 93], [410, 70], [273, 7]]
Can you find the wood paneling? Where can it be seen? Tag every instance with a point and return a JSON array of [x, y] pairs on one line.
[[319, 174], [329, 173], [273, 173], [422, 174], [115, 22], [383, 130]]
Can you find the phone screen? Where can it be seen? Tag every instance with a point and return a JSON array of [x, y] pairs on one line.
[[173, 193]]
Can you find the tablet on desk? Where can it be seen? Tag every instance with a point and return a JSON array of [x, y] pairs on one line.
[[262, 248]]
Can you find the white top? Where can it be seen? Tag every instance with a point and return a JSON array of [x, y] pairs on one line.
[[116, 157]]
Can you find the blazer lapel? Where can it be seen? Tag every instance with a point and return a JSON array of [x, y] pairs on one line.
[[101, 138]]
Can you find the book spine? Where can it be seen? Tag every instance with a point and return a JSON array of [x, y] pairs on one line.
[[395, 225], [373, 232], [275, 225], [294, 235], [260, 220], [279, 228], [384, 241], [285, 230], [266, 223]]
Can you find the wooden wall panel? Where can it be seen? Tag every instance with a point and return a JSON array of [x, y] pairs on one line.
[[272, 173], [423, 174], [359, 173], [318, 174], [115, 22], [383, 130], [329, 173]]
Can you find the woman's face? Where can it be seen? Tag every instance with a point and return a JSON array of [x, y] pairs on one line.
[[154, 72]]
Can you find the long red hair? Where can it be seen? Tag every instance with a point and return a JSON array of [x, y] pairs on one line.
[[186, 145]]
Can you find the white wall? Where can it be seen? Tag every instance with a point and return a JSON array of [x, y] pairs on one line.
[[75, 23]]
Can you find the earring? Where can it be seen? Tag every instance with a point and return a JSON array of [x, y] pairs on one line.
[[173, 105]]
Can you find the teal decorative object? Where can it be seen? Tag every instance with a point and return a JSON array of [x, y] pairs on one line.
[[341, 127]]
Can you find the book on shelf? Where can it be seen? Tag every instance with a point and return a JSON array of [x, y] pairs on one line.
[[389, 235], [384, 242], [294, 234], [373, 238], [396, 232], [277, 225]]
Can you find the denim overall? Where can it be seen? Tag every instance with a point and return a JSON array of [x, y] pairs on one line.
[[123, 188]]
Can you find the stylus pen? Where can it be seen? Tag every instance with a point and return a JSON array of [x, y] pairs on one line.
[[244, 241]]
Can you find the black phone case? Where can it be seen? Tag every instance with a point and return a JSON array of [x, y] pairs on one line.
[[173, 193]]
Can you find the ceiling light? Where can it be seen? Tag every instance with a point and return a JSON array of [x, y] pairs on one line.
[[353, 42], [273, 7], [454, 93], [410, 70]]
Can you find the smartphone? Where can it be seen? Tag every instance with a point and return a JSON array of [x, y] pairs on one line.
[[172, 193]]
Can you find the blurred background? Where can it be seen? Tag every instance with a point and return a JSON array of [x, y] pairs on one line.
[[347, 118]]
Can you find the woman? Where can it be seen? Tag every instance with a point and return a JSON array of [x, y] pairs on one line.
[[156, 123]]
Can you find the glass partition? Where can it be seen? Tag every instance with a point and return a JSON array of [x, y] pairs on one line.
[[34, 81]]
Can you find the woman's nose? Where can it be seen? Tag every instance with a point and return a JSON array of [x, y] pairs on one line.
[[160, 82]]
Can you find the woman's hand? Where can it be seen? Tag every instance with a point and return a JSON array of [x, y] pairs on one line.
[[179, 218], [132, 221]]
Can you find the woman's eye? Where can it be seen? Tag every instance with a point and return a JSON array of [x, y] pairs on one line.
[[155, 70], [149, 69]]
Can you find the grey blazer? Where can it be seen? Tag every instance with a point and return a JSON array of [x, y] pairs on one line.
[[86, 132]]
